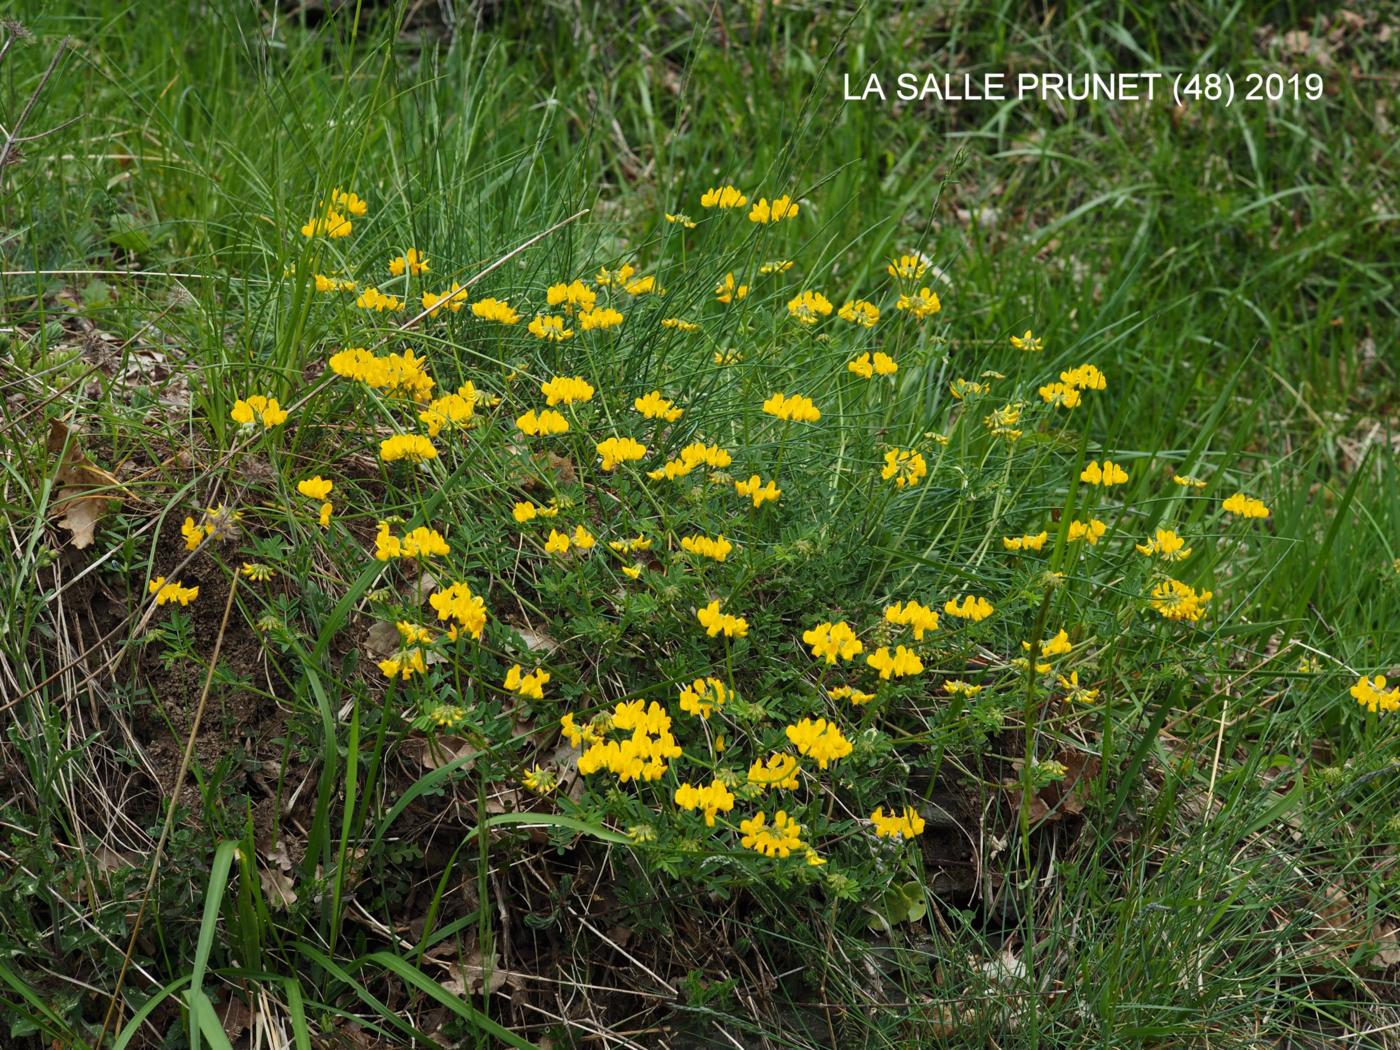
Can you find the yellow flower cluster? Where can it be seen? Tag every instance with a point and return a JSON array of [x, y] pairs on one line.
[[902, 663], [919, 618], [615, 451], [865, 313], [1243, 506], [1372, 694], [723, 197], [1028, 342], [654, 406], [778, 839], [172, 591], [716, 549], [413, 447], [971, 608], [374, 299], [907, 268], [923, 303], [1091, 531], [782, 208], [715, 622], [795, 408], [529, 685], [868, 366], [729, 290], [711, 799], [779, 772], [904, 466], [258, 409], [820, 740], [1165, 544], [755, 489], [451, 410], [642, 756], [421, 542], [413, 260], [846, 692], [318, 488], [404, 373], [544, 423], [550, 327], [702, 696], [905, 825], [1034, 542], [833, 641], [1109, 474], [498, 310], [524, 512], [566, 390], [452, 299], [809, 307], [599, 318], [696, 454], [1179, 601]]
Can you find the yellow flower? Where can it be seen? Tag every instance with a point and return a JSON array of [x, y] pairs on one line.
[[694, 455], [545, 423], [632, 572], [1110, 474], [644, 755], [654, 406], [846, 692], [615, 451], [629, 546], [498, 310], [1052, 647], [679, 324], [1060, 395], [1167, 545], [833, 641], [583, 539], [711, 799], [682, 220], [717, 549], [405, 665], [374, 299], [557, 543], [257, 571], [257, 408], [779, 839], [414, 261], [1372, 694], [643, 286], [961, 388], [1077, 693], [1026, 543], [452, 299], [923, 303], [905, 825], [1187, 481], [193, 534], [920, 618], [317, 488], [600, 318], [421, 542], [907, 268], [820, 740], [1245, 506], [901, 664], [333, 284], [775, 266], [756, 490], [723, 197], [451, 410], [727, 291], [972, 608], [325, 515], [1091, 530], [351, 202], [723, 358], [714, 621], [540, 781], [329, 224], [780, 771], [1179, 601], [1085, 377], [782, 208], [861, 312], [550, 327], [1029, 343], [702, 696], [957, 687], [458, 603], [397, 373], [530, 686], [809, 307], [173, 592], [566, 390], [796, 408], [868, 366], [413, 447], [904, 467], [573, 297]]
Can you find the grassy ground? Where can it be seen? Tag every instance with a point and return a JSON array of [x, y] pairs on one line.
[[225, 820]]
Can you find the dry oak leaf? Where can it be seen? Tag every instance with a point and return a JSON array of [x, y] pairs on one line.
[[85, 491]]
